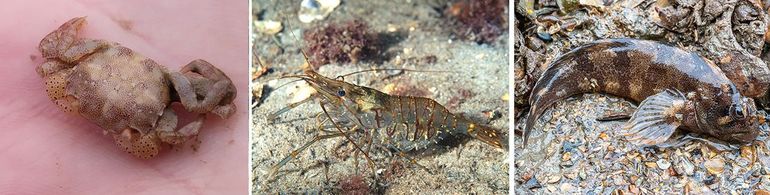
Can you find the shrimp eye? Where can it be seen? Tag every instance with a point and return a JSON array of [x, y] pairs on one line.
[[737, 111], [341, 92]]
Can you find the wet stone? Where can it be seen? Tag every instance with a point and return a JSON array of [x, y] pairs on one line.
[[544, 36]]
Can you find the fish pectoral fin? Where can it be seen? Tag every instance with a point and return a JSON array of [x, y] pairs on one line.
[[656, 119]]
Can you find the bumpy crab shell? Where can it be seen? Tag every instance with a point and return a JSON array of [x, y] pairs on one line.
[[119, 89]]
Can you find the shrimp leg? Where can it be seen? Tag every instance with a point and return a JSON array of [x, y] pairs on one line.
[[274, 115], [403, 154], [371, 162], [295, 153]]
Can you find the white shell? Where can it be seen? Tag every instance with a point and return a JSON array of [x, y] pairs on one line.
[[311, 10], [302, 92]]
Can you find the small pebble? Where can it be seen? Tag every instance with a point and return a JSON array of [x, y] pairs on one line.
[[268, 27], [651, 164], [553, 179]]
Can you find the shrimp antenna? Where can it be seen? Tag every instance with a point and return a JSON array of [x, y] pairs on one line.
[[387, 69], [307, 60], [341, 132], [304, 55]]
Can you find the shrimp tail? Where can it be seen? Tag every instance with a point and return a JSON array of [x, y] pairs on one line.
[[490, 136]]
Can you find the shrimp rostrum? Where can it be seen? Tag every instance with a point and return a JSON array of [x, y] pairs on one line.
[[404, 124]]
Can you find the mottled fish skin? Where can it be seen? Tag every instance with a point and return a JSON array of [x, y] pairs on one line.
[[749, 74], [636, 69]]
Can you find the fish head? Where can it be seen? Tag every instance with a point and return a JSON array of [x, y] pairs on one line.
[[733, 118]]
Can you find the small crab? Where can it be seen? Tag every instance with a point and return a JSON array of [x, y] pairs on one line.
[[127, 94]]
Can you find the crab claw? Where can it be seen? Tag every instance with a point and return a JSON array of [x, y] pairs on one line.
[[57, 42], [203, 88]]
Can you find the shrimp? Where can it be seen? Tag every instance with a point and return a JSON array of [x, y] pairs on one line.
[[402, 123]]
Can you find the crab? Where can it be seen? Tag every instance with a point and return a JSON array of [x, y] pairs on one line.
[[127, 94]]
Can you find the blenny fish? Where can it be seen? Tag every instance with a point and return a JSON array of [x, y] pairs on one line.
[[676, 88]]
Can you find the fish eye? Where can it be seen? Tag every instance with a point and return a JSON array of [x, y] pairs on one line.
[[737, 111], [341, 92]]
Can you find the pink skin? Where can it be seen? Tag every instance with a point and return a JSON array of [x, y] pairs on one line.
[[46, 151]]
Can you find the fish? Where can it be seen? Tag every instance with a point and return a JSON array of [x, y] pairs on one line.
[[675, 89]]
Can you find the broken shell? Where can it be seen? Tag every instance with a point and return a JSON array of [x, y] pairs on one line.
[[663, 164], [256, 92], [268, 27], [715, 166], [687, 167], [311, 10], [302, 92], [747, 152], [566, 156], [603, 136]]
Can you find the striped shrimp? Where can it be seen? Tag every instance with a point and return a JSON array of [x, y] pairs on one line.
[[402, 123]]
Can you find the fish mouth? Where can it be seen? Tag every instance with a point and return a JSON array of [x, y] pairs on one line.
[[744, 136]]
